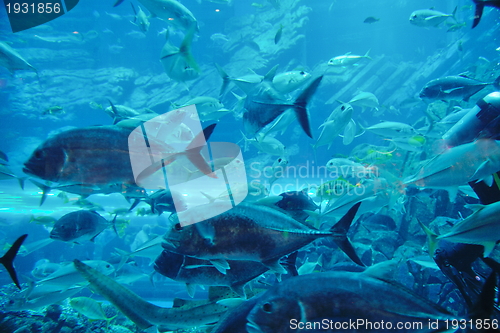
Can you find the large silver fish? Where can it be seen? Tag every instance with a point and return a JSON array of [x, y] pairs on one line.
[[454, 87], [265, 103], [253, 232], [79, 226]]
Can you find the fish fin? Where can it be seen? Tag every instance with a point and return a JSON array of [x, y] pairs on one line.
[[221, 264], [21, 181], [383, 270], [225, 80], [185, 48], [210, 198], [270, 75], [339, 233], [117, 3], [191, 289], [135, 12], [275, 266], [45, 190], [194, 148], [478, 13], [452, 192], [269, 201], [474, 207], [300, 104], [240, 290], [289, 262], [488, 247], [431, 238], [367, 54], [231, 302], [207, 232], [8, 259]]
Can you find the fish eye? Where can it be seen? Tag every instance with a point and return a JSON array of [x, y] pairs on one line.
[[279, 160], [178, 227], [267, 307], [302, 73], [38, 154], [342, 107]]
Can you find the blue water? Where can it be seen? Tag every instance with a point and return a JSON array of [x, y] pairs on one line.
[[111, 59]]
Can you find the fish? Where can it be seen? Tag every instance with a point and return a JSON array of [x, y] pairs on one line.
[[343, 167], [173, 12], [44, 268], [41, 299], [365, 100], [287, 82], [454, 87], [208, 108], [179, 63], [53, 110], [273, 234], [266, 144], [7, 260], [334, 125], [474, 161], [265, 103], [90, 308], [479, 228], [12, 60], [277, 37], [63, 159], [392, 129], [140, 19], [145, 314], [430, 17], [480, 4], [193, 271], [348, 59], [163, 201], [371, 19], [80, 226], [295, 203], [245, 83], [338, 300]]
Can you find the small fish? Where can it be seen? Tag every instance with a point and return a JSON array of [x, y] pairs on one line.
[[348, 59], [80, 226], [219, 38], [429, 17], [7, 260], [392, 129], [44, 268], [89, 308], [54, 110], [371, 19], [480, 4], [277, 37], [334, 125], [456, 27], [140, 19], [365, 100], [454, 87]]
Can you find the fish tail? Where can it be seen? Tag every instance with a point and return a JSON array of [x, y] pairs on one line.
[[135, 12], [496, 83], [8, 259], [45, 190], [431, 238], [367, 54], [299, 106], [478, 13], [193, 151], [485, 304], [185, 49], [225, 80], [453, 14], [339, 231]]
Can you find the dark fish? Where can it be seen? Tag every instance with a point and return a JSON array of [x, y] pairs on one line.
[[480, 4], [454, 87], [265, 103], [193, 271], [8, 259], [80, 226], [254, 233], [277, 37], [117, 3], [343, 297], [99, 156], [371, 19], [295, 202], [163, 201]]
